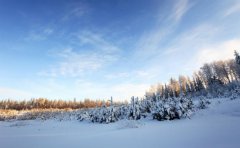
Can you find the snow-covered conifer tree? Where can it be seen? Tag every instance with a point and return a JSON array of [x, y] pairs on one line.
[[237, 57], [134, 109]]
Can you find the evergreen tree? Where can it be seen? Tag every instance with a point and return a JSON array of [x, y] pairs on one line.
[[134, 109], [188, 89], [237, 57], [166, 93]]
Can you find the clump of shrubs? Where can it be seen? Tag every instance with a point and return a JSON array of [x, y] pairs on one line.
[[172, 109]]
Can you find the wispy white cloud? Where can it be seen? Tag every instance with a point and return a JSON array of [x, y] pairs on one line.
[[39, 34], [222, 51], [234, 8], [150, 43], [185, 50], [151, 46], [117, 75], [194, 38], [83, 88], [48, 31], [97, 41], [6, 93], [75, 63], [197, 46], [180, 8], [119, 91], [76, 10], [98, 53], [133, 75]]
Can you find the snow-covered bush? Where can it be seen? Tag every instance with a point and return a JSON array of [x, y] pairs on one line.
[[235, 94], [203, 103], [122, 111], [134, 112], [104, 115], [158, 111], [146, 105], [173, 108], [83, 116]]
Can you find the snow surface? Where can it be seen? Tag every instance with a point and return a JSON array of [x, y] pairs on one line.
[[218, 126]]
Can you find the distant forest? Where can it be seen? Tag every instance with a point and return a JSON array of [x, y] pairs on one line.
[[43, 103], [212, 80]]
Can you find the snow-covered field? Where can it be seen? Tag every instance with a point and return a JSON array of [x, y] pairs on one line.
[[215, 127]]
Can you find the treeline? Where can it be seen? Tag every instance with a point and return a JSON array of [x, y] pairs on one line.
[[213, 80], [43, 103]]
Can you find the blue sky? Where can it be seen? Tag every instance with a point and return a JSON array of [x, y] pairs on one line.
[[97, 49]]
